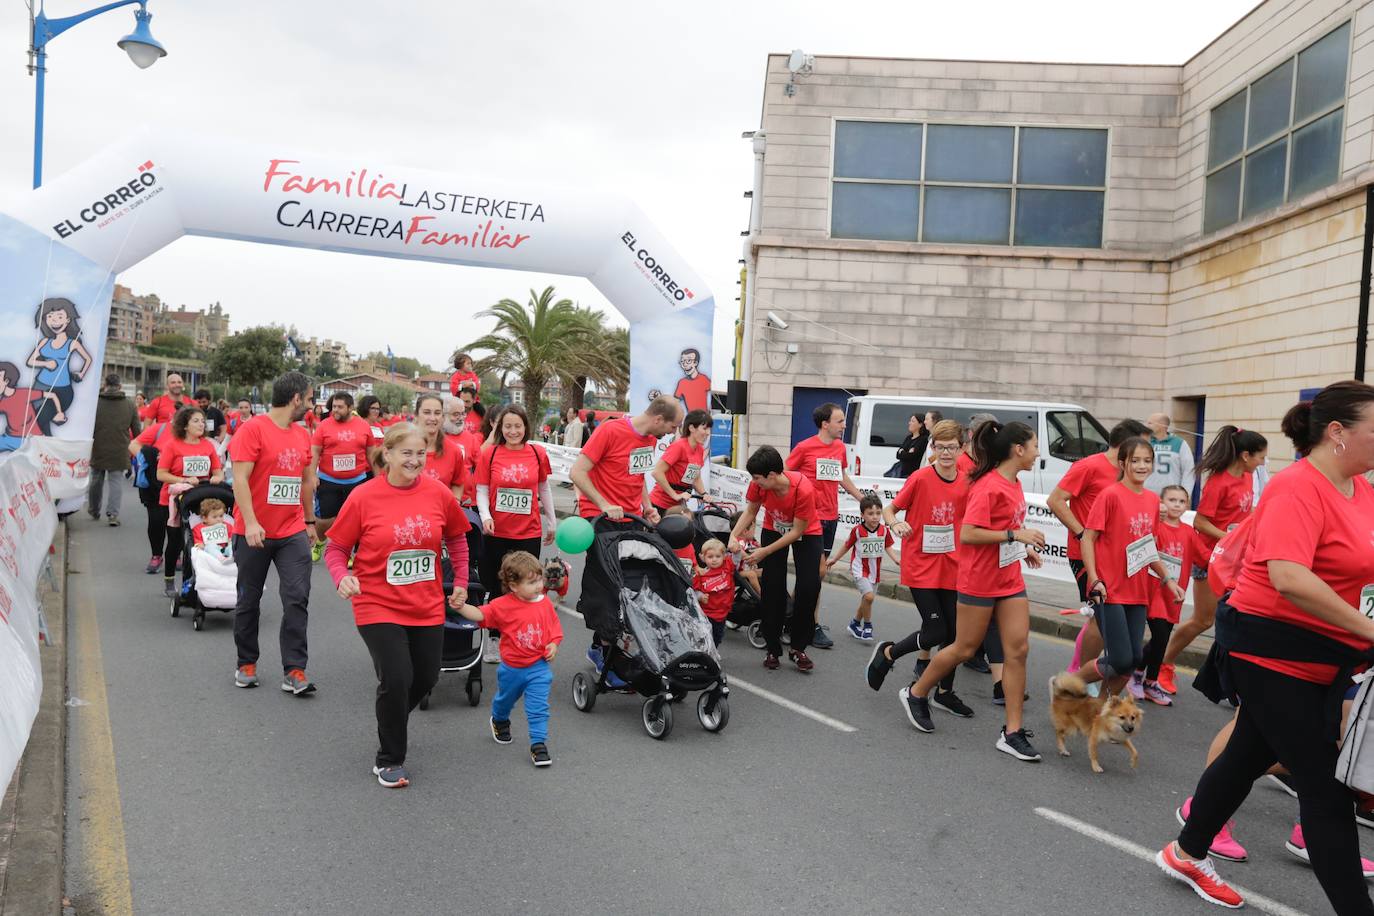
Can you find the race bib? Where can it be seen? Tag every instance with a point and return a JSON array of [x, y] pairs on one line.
[[406, 567], [1367, 601], [1140, 553], [1009, 553], [937, 539], [870, 548], [641, 460], [195, 466], [209, 425], [215, 534], [827, 469], [690, 475], [1173, 565], [688, 566], [516, 502], [283, 491], [782, 527], [347, 462], [377, 433]]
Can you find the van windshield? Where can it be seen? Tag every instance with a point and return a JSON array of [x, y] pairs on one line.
[[851, 414], [1075, 434], [889, 423]]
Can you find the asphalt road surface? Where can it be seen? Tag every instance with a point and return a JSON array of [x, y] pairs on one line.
[[188, 795]]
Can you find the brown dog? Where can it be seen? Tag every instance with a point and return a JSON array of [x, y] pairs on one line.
[[1073, 710]]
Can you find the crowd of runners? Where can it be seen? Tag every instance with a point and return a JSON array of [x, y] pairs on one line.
[[388, 503]]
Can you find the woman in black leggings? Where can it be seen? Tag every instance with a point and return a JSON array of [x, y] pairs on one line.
[[145, 444]]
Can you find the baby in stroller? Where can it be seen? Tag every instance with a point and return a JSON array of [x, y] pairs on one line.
[[209, 553]]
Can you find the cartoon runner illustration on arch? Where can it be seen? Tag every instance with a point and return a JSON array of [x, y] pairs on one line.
[[58, 322], [694, 388], [17, 408]]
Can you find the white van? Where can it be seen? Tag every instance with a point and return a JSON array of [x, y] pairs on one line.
[[877, 424]]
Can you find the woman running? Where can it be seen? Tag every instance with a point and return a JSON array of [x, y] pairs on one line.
[[514, 497], [397, 521], [933, 500], [187, 458], [1295, 630], [993, 543], [677, 475], [1227, 498], [54, 356]]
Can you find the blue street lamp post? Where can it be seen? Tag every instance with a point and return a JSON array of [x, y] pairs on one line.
[[143, 49]]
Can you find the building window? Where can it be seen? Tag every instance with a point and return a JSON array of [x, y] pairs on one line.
[[1279, 137], [969, 184]]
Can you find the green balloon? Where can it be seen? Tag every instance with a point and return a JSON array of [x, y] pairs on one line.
[[574, 535]]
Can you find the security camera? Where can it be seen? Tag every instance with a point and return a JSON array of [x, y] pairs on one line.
[[775, 322]]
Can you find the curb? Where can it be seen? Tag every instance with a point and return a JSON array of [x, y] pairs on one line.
[[33, 876]]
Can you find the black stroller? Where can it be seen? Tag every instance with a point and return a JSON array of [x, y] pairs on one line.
[[746, 613], [207, 596], [639, 601], [464, 639]]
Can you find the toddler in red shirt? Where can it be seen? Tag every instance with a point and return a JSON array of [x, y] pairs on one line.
[[869, 540], [1178, 549], [530, 635], [714, 584], [212, 534]]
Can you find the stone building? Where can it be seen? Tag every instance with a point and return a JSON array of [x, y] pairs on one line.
[[133, 318], [207, 327], [1126, 237]]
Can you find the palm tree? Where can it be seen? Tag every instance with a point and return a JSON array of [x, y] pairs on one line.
[[615, 345], [604, 362]]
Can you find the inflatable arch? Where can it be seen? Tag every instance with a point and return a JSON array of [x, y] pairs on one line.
[[67, 241]]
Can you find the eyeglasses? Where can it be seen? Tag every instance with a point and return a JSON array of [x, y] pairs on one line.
[[944, 448]]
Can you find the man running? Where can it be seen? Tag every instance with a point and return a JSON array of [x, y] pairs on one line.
[[823, 461], [274, 496], [1173, 458], [162, 408], [341, 453]]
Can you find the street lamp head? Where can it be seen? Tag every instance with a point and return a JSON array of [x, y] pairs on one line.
[[143, 49]]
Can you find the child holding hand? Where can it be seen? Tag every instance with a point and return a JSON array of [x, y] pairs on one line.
[[714, 584], [869, 540], [530, 635]]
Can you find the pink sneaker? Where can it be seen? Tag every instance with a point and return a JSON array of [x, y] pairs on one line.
[[1077, 661], [1200, 876], [1298, 847], [1155, 694], [1224, 845], [1136, 685]]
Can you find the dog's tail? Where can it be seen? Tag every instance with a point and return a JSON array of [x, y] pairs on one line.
[[1068, 686]]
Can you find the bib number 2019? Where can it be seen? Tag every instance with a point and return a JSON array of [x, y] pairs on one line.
[[283, 491], [406, 567]]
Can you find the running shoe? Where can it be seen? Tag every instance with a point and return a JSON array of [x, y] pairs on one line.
[[491, 652], [978, 663], [112, 521], [1284, 782], [316, 552], [949, 701], [296, 683], [392, 777], [500, 731], [1364, 809], [878, 666], [598, 660], [95, 516], [1137, 685], [1166, 680], [169, 587], [855, 629], [246, 676], [822, 640], [920, 668], [1201, 876], [1224, 845], [868, 631], [539, 755], [1018, 745], [770, 661], [1157, 696], [917, 711], [1298, 847], [154, 565], [999, 698], [800, 659]]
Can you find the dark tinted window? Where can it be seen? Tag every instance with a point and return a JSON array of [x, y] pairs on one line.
[[889, 423], [1074, 434]]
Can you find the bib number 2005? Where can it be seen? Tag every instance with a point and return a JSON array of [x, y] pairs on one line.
[[406, 567], [283, 491]]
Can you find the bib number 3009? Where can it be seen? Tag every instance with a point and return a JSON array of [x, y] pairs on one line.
[[406, 567], [283, 491]]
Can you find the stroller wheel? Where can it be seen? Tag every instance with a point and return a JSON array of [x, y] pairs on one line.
[[424, 702], [755, 635], [583, 692], [198, 622], [176, 606], [658, 718], [713, 711], [474, 689]]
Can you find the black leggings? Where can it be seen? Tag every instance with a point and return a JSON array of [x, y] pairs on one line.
[[806, 557], [1283, 720], [406, 660], [1160, 629], [157, 523], [1123, 630], [939, 621]]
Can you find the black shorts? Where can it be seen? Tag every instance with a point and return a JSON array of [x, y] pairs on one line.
[[828, 535], [331, 496]]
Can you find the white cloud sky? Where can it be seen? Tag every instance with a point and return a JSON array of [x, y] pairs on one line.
[[643, 98]]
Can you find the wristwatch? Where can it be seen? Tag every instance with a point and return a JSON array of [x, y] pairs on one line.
[[1078, 535], [1011, 536]]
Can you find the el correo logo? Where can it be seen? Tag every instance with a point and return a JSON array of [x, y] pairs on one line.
[[656, 271], [111, 202]]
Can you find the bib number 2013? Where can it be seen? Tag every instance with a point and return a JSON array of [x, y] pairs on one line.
[[641, 460]]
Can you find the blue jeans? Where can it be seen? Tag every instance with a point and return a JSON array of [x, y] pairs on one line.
[[533, 683]]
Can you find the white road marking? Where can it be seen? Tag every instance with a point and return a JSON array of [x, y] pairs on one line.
[[1259, 901], [768, 695]]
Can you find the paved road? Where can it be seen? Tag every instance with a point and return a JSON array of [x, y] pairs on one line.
[[245, 802]]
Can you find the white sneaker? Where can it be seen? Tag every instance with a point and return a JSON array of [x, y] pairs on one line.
[[491, 653]]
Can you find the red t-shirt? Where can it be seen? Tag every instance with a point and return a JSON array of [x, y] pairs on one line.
[[866, 560], [399, 533], [620, 458], [472, 443], [156, 436], [449, 468], [1125, 523], [186, 460], [779, 511], [965, 464], [993, 570], [20, 417], [458, 378], [1085, 480], [472, 422], [684, 462], [218, 537], [512, 478], [162, 408], [718, 585], [694, 392], [280, 458], [343, 447], [1304, 519], [930, 500], [527, 627], [1226, 500], [1179, 551], [824, 465]]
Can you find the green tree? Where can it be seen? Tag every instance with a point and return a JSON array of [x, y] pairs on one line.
[[250, 357], [615, 345], [535, 341], [405, 365], [176, 344], [327, 368], [395, 397]]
